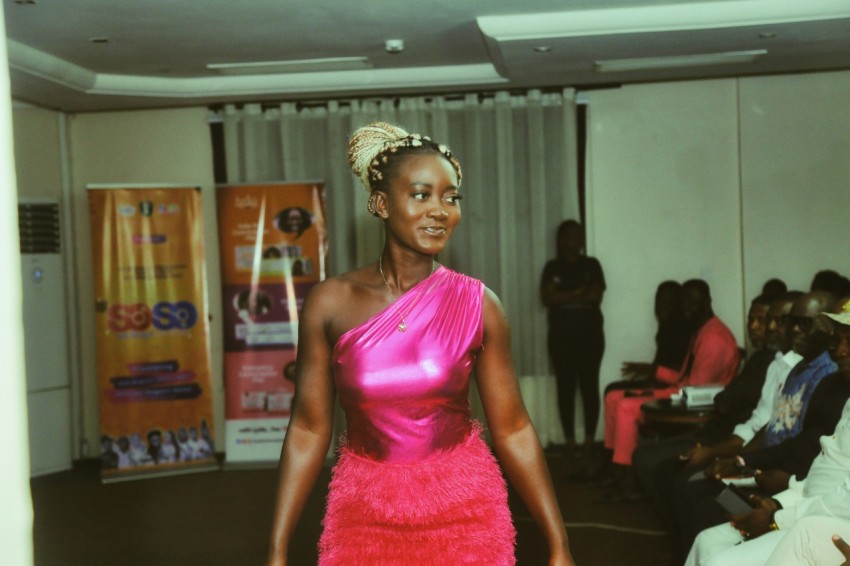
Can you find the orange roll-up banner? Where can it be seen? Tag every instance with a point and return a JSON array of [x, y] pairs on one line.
[[273, 240], [152, 329]]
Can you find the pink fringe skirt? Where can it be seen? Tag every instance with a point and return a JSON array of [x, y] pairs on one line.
[[452, 509]]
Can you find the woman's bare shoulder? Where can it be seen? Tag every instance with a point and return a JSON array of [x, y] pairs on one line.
[[335, 292]]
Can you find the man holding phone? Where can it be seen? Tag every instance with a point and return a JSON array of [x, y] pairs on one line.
[[824, 492]]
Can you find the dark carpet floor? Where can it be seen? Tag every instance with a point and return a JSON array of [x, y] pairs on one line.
[[223, 518]]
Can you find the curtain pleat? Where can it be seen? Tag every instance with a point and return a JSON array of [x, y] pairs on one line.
[[518, 154]]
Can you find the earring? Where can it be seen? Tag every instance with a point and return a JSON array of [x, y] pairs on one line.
[[370, 206]]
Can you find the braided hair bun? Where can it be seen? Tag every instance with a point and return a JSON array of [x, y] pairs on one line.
[[371, 148], [367, 143]]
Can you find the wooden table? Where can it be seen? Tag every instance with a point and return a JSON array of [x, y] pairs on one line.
[[662, 417]]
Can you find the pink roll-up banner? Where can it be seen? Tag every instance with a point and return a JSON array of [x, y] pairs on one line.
[[273, 239]]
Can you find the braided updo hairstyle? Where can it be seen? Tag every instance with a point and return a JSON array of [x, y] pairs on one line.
[[373, 149]]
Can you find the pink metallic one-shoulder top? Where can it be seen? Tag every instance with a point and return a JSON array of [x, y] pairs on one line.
[[406, 394]]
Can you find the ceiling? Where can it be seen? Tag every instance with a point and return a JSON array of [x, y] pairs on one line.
[[90, 55]]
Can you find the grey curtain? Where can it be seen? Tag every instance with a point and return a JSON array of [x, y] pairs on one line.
[[518, 154]]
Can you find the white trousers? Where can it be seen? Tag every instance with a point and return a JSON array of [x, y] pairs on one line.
[[723, 545], [809, 543]]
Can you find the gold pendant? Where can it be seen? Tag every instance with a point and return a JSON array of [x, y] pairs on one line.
[[402, 327]]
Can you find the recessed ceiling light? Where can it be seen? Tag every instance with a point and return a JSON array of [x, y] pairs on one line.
[[542, 49], [767, 35], [99, 39]]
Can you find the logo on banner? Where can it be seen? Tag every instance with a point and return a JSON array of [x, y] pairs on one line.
[[247, 202], [149, 239], [168, 208], [164, 316], [146, 208]]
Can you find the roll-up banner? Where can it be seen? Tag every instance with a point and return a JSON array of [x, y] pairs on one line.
[[151, 319], [273, 240]]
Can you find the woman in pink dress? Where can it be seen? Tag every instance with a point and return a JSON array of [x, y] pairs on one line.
[[398, 340]]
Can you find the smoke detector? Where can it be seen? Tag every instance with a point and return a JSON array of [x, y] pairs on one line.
[[394, 46]]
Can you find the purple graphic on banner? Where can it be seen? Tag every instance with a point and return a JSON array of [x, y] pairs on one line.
[[260, 320], [190, 391]]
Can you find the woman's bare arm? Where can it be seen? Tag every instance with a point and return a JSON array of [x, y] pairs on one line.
[[310, 429], [514, 437]]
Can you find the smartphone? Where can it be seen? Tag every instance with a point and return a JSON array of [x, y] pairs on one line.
[[734, 501]]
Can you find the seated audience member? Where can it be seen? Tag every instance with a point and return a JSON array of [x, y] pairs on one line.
[[751, 537], [671, 340], [773, 289], [713, 359], [831, 282], [793, 401], [818, 397], [671, 344], [658, 462]]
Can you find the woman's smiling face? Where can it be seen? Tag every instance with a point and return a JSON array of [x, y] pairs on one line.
[[422, 204]]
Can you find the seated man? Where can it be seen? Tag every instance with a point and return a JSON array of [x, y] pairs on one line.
[[712, 359], [694, 500], [658, 462], [824, 491]]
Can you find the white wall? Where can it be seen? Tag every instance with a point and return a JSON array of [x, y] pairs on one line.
[[37, 152], [734, 181], [158, 146], [663, 203], [795, 136], [17, 513]]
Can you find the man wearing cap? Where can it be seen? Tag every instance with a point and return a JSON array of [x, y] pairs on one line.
[[825, 492], [662, 466], [694, 501]]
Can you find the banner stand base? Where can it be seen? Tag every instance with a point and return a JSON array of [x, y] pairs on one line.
[[150, 474]]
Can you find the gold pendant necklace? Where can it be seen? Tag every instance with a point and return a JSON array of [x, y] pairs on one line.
[[402, 326]]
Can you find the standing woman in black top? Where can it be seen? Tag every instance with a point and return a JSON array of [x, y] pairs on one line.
[[571, 288]]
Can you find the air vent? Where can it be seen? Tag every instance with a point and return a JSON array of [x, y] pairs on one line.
[[38, 225]]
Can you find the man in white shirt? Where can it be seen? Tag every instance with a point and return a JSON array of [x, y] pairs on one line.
[[662, 465], [824, 493], [813, 541]]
